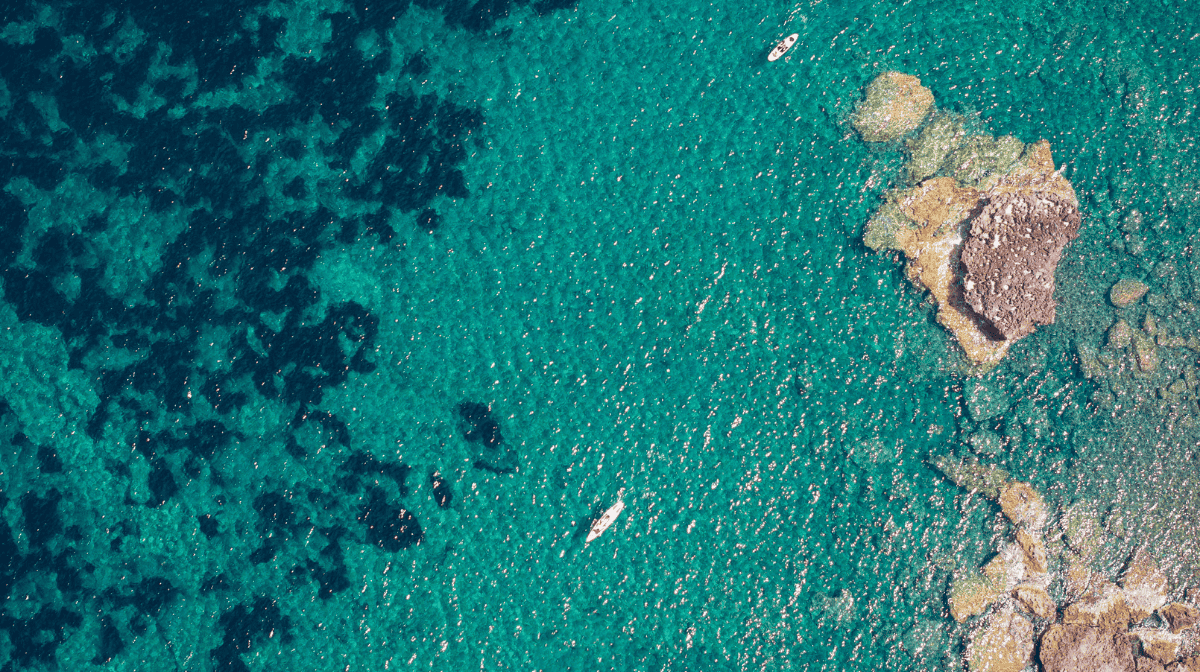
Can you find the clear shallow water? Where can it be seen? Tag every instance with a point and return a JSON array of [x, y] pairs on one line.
[[229, 330]]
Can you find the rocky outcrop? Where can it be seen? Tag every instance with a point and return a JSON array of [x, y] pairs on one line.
[[1180, 617], [1010, 257], [931, 221], [1145, 586], [967, 185], [1023, 505], [1079, 648], [1004, 644], [1009, 606], [895, 105]]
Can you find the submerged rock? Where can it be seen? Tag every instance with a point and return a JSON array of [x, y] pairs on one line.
[[980, 156], [971, 594], [896, 104], [1148, 358], [1145, 586], [1010, 259], [1005, 644], [930, 149], [971, 475], [1127, 292], [985, 402], [1120, 335]]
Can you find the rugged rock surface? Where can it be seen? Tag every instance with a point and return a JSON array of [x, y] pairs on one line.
[[1023, 506], [896, 104], [1005, 644], [1180, 617], [1014, 248], [1080, 648], [929, 223], [1036, 601], [1145, 586]]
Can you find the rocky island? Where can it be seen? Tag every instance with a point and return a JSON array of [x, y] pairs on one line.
[[982, 221]]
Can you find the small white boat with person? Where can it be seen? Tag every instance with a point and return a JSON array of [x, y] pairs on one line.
[[782, 48], [605, 521]]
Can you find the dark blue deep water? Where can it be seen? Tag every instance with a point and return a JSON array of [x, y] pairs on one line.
[[328, 327]]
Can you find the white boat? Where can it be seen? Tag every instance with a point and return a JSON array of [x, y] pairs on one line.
[[605, 521], [781, 48]]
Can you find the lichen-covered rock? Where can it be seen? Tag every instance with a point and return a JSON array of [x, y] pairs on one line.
[[1180, 617], [1189, 664], [933, 145], [895, 104], [938, 212], [1023, 505], [1010, 258], [1127, 292], [1145, 586], [1144, 664], [1079, 648], [1004, 644], [1036, 600], [971, 475]]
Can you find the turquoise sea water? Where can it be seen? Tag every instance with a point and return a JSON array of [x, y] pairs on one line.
[[329, 327]]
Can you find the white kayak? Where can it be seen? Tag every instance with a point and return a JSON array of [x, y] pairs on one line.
[[781, 48], [605, 521]]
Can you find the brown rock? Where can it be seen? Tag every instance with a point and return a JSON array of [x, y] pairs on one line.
[[1023, 505], [1004, 644], [1036, 600], [1127, 292], [1144, 664], [929, 223], [1158, 644], [1191, 664], [1035, 551], [1145, 586], [1014, 248], [971, 594], [1103, 607], [895, 104], [1180, 616], [1078, 648]]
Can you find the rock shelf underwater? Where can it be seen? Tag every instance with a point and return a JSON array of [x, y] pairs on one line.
[[328, 327]]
